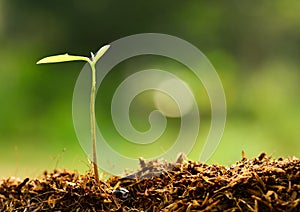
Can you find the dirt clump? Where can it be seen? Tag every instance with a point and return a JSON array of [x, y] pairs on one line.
[[258, 184]]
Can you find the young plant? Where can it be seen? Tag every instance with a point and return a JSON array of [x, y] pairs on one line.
[[92, 62]]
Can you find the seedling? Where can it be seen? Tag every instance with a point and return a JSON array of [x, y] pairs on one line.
[[92, 62]]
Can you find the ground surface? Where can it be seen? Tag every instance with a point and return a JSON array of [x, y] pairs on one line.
[[259, 184]]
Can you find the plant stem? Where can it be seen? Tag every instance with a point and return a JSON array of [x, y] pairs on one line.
[[93, 123]]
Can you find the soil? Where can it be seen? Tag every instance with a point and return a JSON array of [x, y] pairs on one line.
[[258, 184]]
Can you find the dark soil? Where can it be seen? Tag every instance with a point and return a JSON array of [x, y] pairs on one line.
[[259, 184]]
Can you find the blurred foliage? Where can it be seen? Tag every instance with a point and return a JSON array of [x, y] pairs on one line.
[[254, 46]]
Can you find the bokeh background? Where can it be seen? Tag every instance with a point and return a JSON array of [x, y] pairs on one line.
[[254, 46]]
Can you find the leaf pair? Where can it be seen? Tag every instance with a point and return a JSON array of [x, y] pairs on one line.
[[66, 57]]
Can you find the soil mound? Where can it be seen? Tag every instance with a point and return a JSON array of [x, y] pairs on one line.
[[258, 184]]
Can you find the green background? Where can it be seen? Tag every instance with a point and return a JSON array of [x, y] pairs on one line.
[[254, 46]]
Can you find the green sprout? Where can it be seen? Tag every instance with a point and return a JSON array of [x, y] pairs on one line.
[[92, 62]]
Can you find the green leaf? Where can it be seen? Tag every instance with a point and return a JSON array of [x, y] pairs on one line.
[[62, 58], [101, 52]]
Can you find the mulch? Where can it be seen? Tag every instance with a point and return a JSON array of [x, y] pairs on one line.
[[258, 184]]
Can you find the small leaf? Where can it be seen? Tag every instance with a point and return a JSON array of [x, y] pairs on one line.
[[101, 52], [62, 58]]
